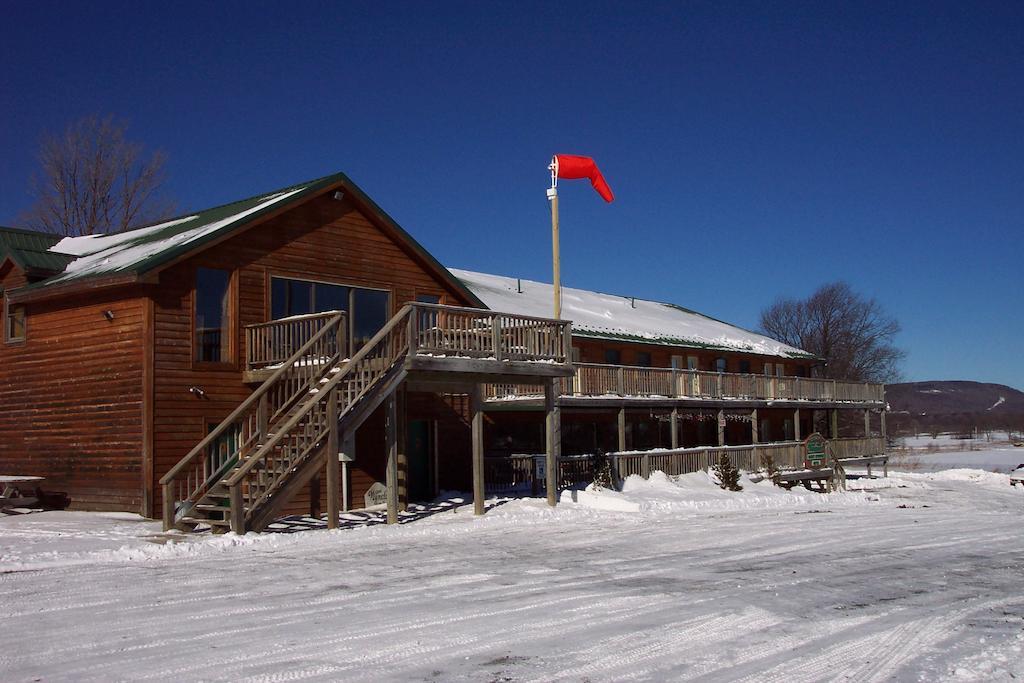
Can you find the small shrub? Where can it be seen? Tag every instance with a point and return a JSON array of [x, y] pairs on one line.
[[727, 473], [771, 470], [603, 472]]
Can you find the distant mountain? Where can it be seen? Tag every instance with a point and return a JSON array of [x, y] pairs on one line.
[[952, 397]]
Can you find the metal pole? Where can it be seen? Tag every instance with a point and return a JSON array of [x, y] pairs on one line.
[[555, 257], [556, 261]]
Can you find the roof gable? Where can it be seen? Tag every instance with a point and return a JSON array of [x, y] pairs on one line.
[[29, 250], [149, 248], [608, 316]]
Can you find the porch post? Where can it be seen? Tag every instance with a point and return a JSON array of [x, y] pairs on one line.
[[834, 420], [403, 456], [867, 424], [622, 429], [882, 414], [796, 425], [674, 425], [754, 437], [721, 425], [553, 439], [476, 412], [391, 439], [332, 460]]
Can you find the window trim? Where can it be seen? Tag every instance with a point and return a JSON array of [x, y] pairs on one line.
[[7, 309], [231, 362]]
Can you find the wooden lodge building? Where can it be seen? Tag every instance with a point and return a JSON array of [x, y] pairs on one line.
[[203, 368]]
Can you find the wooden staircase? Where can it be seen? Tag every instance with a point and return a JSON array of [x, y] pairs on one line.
[[253, 462]]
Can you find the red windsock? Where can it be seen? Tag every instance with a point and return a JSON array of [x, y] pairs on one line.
[[572, 167]]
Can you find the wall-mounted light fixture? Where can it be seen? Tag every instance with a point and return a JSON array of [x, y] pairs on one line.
[[197, 392], [339, 195], [108, 314]]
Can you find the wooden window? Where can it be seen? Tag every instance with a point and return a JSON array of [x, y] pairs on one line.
[[677, 362], [745, 367], [721, 365], [767, 369], [780, 370], [692, 363], [428, 298], [764, 433], [643, 359], [213, 316], [613, 357], [14, 321], [801, 371]]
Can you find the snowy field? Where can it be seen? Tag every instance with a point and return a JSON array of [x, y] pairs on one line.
[[912, 578], [952, 442], [1004, 459]]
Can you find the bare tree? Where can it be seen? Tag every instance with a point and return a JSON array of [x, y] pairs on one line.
[[91, 179], [853, 334]]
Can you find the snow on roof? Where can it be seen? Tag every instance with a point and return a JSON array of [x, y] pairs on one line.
[[620, 317], [106, 254]]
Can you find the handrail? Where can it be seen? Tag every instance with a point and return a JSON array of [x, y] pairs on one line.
[[253, 398], [322, 393], [270, 343]]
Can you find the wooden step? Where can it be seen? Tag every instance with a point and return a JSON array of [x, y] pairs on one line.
[[211, 508], [204, 520]]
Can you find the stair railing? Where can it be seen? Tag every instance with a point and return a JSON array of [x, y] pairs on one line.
[[267, 467], [253, 420]]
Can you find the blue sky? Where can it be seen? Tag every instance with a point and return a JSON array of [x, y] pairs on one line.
[[756, 150]]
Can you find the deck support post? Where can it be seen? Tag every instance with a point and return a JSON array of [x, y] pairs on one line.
[[796, 424], [476, 411], [403, 456], [867, 423], [391, 439], [674, 427], [721, 423], [882, 414], [553, 438], [834, 423], [333, 452], [622, 429], [754, 436]]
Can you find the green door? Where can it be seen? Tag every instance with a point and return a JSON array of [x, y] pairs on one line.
[[418, 446]]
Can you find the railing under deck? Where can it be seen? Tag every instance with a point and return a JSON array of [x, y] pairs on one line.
[[593, 380]]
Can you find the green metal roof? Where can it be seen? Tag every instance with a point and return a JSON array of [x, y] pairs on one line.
[[140, 250], [30, 251]]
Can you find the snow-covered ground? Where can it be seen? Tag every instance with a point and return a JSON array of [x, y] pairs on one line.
[[1003, 459], [914, 577], [953, 442]]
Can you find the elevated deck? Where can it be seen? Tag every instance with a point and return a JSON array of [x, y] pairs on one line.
[[615, 386]]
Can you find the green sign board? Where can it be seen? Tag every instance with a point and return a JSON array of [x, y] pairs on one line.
[[815, 447]]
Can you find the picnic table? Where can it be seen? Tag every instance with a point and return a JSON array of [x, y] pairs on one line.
[[1017, 476], [12, 496]]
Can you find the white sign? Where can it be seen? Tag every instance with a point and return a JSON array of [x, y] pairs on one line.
[[376, 495]]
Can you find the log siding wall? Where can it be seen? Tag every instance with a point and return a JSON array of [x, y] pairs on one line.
[[71, 400]]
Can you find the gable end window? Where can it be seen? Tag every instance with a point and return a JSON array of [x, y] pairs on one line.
[[213, 316], [14, 321]]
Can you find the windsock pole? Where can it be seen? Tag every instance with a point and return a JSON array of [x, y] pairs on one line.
[[555, 256]]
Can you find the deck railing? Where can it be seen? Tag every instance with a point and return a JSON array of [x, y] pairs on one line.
[[593, 380], [524, 474], [477, 333], [271, 343], [748, 457]]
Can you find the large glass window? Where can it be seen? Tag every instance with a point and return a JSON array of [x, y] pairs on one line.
[[368, 309], [213, 336]]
